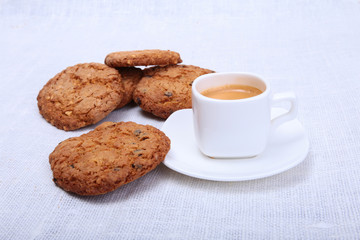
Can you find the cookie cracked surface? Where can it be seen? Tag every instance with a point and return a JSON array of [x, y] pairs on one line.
[[80, 95], [142, 58], [108, 157], [163, 90]]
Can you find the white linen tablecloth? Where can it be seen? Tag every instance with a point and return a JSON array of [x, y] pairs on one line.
[[311, 47]]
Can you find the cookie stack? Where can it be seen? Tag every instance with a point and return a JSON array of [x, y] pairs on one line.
[[164, 88], [84, 94], [113, 154]]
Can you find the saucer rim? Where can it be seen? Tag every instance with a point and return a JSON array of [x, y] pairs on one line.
[[297, 160]]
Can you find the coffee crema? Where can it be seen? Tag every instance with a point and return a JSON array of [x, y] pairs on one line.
[[231, 92]]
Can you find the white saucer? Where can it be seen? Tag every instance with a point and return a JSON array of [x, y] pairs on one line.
[[288, 147]]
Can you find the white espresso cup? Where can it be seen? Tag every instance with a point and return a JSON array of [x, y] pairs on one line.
[[236, 128]]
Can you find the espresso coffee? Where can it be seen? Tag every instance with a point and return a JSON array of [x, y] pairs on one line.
[[231, 92]]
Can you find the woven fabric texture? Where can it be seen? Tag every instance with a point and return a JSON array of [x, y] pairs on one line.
[[310, 47]]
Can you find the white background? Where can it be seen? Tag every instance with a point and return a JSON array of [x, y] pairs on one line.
[[311, 47]]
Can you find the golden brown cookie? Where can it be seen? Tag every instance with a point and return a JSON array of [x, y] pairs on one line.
[[130, 76], [80, 95], [142, 58], [163, 90], [110, 156]]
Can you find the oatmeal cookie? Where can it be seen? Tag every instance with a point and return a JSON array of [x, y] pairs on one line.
[[142, 58], [108, 157], [130, 77], [163, 90], [80, 95]]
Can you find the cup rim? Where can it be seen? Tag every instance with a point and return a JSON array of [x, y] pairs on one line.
[[254, 98]]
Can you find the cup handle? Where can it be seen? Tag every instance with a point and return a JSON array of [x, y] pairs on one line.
[[291, 114]]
